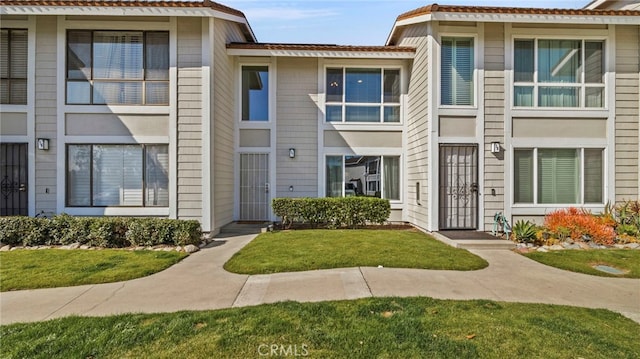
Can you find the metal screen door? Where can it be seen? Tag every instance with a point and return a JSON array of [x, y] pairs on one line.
[[458, 208], [14, 199], [254, 187]]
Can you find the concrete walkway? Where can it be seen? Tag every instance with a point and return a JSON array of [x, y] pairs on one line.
[[199, 282]]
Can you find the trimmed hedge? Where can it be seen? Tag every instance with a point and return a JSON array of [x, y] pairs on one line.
[[113, 232], [332, 212]]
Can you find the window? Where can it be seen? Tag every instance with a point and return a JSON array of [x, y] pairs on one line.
[[118, 67], [457, 67], [363, 95], [558, 73], [118, 175], [13, 66], [372, 176], [255, 93], [558, 176]]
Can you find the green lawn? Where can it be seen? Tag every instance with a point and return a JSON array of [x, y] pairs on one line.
[[300, 250], [582, 261], [48, 268], [365, 328]]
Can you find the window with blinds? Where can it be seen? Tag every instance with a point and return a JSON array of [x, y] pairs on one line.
[[13, 66], [372, 176], [118, 67], [456, 72], [558, 73], [117, 175], [562, 176]]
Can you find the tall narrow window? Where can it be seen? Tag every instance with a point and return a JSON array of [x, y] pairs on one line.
[[523, 179], [593, 175], [255, 93], [457, 67], [13, 66], [334, 176], [118, 67]]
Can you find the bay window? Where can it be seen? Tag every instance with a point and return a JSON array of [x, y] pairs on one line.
[[558, 176], [117, 175], [13, 66], [456, 72], [372, 176], [117, 67], [558, 73], [362, 95]]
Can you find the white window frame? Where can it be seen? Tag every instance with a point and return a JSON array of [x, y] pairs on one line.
[[381, 104], [581, 179], [476, 54], [581, 85], [271, 95], [393, 202]]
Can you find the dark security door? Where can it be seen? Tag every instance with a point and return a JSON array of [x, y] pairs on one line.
[[13, 179], [458, 187]]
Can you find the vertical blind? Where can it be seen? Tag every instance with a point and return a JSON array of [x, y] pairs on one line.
[[13, 66], [523, 179], [456, 85]]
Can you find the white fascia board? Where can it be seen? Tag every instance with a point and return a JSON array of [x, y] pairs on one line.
[[540, 19], [118, 11], [321, 53], [405, 22]]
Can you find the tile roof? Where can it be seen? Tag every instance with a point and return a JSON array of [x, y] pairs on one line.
[[433, 8], [128, 3], [318, 47]]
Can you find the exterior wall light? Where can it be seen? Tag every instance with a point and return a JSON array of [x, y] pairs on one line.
[[292, 153]]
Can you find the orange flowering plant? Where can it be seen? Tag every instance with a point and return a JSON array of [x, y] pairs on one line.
[[578, 224]]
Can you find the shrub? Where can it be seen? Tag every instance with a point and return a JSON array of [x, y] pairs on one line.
[[524, 231], [331, 212], [98, 231], [576, 224]]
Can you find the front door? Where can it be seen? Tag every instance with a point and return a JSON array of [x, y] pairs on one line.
[[14, 199], [458, 207], [254, 187]]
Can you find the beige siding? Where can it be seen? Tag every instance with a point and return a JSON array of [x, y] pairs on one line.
[[354, 139], [223, 122], [560, 127], [189, 119], [255, 138], [45, 113], [83, 124], [457, 126], [494, 104], [627, 116], [297, 127], [12, 123], [417, 146]]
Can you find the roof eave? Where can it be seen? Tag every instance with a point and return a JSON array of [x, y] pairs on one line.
[[402, 55], [129, 11]]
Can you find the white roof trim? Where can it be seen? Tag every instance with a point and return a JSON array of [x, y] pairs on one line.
[[535, 18], [321, 53], [594, 4], [405, 22], [119, 11]]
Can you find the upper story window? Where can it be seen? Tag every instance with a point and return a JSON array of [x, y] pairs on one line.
[[457, 72], [558, 73], [13, 66], [255, 93], [117, 67], [362, 95]]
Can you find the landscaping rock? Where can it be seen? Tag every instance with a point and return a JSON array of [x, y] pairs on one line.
[[542, 249], [556, 247], [5, 248], [594, 245], [84, 246], [190, 248], [569, 241], [571, 246], [178, 249], [168, 249], [632, 245], [619, 246], [584, 245]]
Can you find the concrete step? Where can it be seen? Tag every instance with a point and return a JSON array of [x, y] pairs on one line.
[[244, 228], [484, 244]]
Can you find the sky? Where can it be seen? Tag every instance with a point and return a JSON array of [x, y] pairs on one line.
[[348, 22]]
